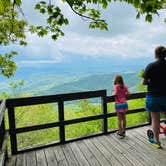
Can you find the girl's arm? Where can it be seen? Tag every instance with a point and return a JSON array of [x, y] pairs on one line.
[[115, 91], [127, 91]]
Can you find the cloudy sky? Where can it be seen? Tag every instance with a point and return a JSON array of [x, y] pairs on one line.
[[126, 38]]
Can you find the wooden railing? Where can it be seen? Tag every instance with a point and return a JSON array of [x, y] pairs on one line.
[[3, 134], [60, 99]]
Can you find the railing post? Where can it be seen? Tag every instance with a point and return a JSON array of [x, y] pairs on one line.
[[2, 132], [61, 119], [104, 111], [12, 127]]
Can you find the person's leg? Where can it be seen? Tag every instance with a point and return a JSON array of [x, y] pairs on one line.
[[119, 122], [124, 121], [156, 124]]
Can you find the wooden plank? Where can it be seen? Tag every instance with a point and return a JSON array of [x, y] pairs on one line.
[[61, 159], [11, 161], [135, 158], [21, 160], [72, 161], [114, 150], [146, 157], [54, 98], [2, 110], [55, 124], [158, 153], [106, 153], [79, 155], [124, 151], [87, 153], [130, 97], [113, 114], [50, 157], [101, 158], [41, 159], [31, 158], [145, 151], [2, 159], [3, 150]]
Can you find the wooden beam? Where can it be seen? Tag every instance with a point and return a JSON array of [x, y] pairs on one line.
[[53, 98]]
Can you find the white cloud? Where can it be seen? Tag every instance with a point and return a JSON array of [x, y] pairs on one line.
[[123, 46], [128, 38], [37, 62]]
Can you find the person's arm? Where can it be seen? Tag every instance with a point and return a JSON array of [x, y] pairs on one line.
[[146, 75], [115, 90], [127, 91]]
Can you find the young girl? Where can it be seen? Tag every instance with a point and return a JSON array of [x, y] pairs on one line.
[[120, 91]]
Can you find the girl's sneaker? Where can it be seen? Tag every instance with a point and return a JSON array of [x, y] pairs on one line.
[[120, 135], [124, 133], [155, 143]]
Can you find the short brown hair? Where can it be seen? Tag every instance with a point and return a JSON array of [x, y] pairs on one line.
[[160, 52]]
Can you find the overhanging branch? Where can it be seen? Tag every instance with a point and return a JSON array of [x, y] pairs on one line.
[[84, 16]]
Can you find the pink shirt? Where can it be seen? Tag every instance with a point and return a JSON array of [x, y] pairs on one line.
[[120, 93]]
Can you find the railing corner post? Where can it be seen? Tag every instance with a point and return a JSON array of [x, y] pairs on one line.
[[12, 127]]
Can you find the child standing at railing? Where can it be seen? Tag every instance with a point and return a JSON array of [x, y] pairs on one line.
[[120, 91]]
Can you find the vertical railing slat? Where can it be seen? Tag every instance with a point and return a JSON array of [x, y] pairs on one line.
[[104, 111], [61, 119]]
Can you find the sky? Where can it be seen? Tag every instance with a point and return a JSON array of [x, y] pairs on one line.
[[127, 37]]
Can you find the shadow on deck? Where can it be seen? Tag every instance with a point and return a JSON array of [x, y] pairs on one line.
[[107, 150]]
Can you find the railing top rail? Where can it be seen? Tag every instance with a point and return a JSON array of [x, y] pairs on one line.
[[130, 97], [15, 102], [2, 110]]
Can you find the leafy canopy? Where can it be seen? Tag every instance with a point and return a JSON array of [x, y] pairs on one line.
[[13, 29]]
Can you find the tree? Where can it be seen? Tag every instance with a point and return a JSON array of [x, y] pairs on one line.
[[141, 87], [13, 29]]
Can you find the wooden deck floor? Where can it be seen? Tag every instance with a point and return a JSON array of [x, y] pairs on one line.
[[108, 150]]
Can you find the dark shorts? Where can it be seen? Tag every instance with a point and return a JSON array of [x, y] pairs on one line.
[[156, 104]]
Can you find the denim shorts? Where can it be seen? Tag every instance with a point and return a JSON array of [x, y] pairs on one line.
[[155, 104], [121, 107]]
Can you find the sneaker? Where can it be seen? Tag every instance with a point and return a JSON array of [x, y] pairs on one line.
[[155, 143], [120, 135], [124, 133]]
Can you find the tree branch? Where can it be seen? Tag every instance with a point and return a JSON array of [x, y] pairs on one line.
[[84, 16]]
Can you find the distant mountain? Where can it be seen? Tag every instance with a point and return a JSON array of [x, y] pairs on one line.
[[77, 74], [92, 82]]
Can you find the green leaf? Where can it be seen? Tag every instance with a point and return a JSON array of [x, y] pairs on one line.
[[104, 4], [54, 37], [42, 10], [43, 2], [18, 2], [148, 18], [138, 15], [37, 6]]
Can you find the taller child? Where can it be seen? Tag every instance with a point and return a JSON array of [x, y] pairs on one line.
[[154, 78]]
